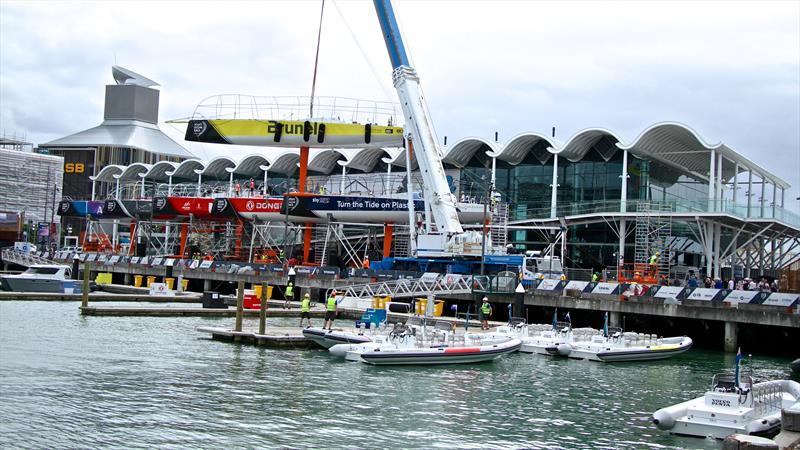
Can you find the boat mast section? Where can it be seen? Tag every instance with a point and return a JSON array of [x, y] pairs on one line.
[[418, 124]]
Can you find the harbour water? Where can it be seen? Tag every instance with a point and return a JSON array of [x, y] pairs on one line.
[[100, 382]]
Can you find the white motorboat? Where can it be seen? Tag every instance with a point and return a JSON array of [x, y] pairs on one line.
[[731, 407], [329, 338], [438, 343], [617, 346], [554, 342], [443, 354], [38, 278], [400, 335]]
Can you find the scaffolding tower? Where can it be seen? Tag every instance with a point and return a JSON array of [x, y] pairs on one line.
[[653, 234]]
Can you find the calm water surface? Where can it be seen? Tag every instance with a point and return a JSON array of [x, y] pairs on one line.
[[71, 381]]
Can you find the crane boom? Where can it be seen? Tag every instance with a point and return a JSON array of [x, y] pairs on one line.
[[418, 124]]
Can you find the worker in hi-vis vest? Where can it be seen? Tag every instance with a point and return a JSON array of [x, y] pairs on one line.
[[305, 309], [654, 263], [486, 311], [288, 294], [330, 310]]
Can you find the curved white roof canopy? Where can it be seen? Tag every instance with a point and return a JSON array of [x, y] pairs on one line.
[[285, 163], [108, 172], [186, 170], [159, 170], [324, 161], [525, 145], [366, 160], [215, 169], [462, 151]]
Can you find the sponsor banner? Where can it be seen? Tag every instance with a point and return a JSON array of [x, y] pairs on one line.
[[579, 285], [742, 296], [781, 299], [606, 288], [705, 294], [673, 292], [549, 285], [206, 264]]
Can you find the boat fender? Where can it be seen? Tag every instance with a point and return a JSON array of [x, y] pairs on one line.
[[321, 133], [762, 425], [278, 132], [367, 133], [307, 129], [564, 349], [664, 418]]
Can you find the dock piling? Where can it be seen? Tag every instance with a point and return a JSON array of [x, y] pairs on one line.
[[239, 305], [87, 271], [262, 316], [731, 337]]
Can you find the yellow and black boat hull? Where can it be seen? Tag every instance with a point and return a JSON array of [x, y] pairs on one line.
[[280, 133]]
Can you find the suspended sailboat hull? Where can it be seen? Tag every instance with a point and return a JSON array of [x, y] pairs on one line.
[[284, 133]]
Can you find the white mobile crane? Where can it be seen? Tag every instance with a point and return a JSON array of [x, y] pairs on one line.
[[419, 130]]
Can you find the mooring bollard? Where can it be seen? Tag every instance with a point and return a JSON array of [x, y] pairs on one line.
[[239, 305], [262, 315], [87, 270]]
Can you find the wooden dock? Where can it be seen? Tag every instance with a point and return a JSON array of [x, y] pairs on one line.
[[94, 297], [179, 311], [277, 337]]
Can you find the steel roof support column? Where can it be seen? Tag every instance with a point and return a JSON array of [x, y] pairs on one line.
[[621, 254], [94, 186], [717, 238], [763, 194], [265, 191], [749, 192], [718, 193], [494, 170], [623, 201], [735, 182], [774, 198], [711, 177], [199, 180], [553, 198], [230, 181], [341, 185]]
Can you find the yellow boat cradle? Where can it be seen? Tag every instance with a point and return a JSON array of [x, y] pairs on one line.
[[284, 133]]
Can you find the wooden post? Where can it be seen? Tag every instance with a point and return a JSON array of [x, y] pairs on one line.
[[262, 315], [87, 270], [239, 305]]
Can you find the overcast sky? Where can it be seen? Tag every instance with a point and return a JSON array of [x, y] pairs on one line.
[[730, 70]]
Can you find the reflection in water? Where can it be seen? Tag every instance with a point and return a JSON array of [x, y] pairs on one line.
[[68, 381]]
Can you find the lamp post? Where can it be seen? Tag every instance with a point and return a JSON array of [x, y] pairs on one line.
[[489, 196]]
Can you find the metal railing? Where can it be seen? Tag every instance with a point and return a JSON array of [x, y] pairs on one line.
[[339, 109], [677, 206], [23, 259], [442, 285]]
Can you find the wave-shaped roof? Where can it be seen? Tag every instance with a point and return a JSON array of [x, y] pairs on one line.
[[671, 143]]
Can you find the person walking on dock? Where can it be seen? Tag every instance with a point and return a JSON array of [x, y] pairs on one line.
[[305, 309], [237, 188], [331, 310], [486, 311], [288, 294]]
